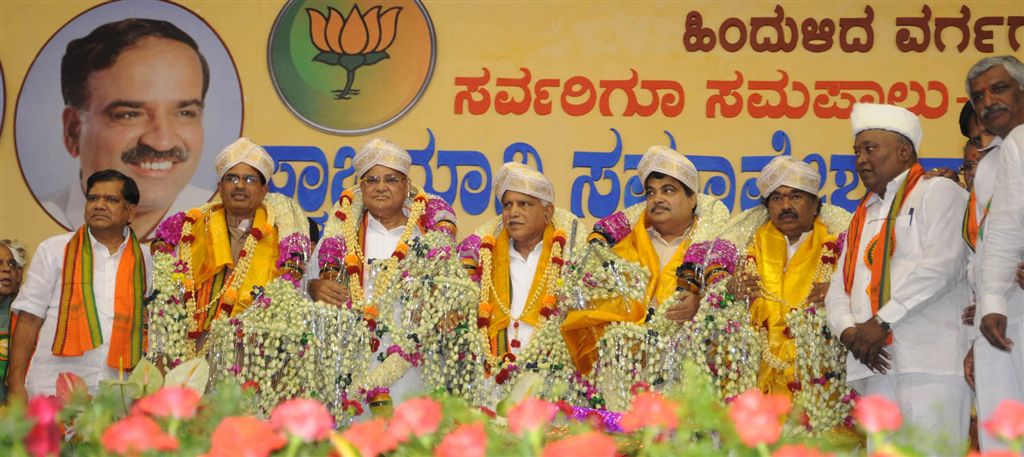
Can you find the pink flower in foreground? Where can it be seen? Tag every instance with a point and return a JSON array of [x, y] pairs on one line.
[[798, 450], [69, 384], [650, 409], [468, 440], [757, 417], [135, 435], [998, 453], [531, 414], [592, 444], [44, 438], [417, 417], [370, 438], [244, 436], [177, 402], [875, 414], [303, 417], [1008, 421]]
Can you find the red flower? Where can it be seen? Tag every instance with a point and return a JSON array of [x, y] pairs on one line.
[[257, 233], [592, 444], [828, 260], [1008, 421], [69, 385], [488, 412], [876, 414], [370, 438], [177, 402], [996, 453], [794, 386], [244, 436], [756, 416], [564, 407], [302, 417], [417, 417], [188, 238], [482, 322], [468, 440], [135, 435], [529, 415], [650, 409], [340, 215], [45, 436], [547, 312], [251, 385], [798, 450], [515, 343], [242, 253], [374, 344], [558, 261]]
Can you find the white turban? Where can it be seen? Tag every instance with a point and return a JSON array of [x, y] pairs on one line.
[[872, 116], [787, 171], [243, 150], [381, 152], [18, 251], [666, 160], [517, 177]]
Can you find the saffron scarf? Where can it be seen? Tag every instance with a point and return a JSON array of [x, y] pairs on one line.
[[502, 280], [878, 255], [971, 228], [78, 324]]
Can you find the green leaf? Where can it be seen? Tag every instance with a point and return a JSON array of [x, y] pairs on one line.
[[328, 58], [146, 378], [350, 63], [193, 373], [375, 57]]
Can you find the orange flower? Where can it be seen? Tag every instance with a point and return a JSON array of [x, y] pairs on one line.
[[370, 438], [230, 295], [416, 417], [798, 450], [650, 409], [548, 300], [559, 236], [486, 308], [347, 194], [69, 385], [177, 402], [244, 436], [530, 415], [195, 214], [594, 444], [468, 440], [352, 263], [400, 251], [135, 435], [487, 242], [1007, 422], [756, 417], [360, 33], [370, 312], [305, 418], [876, 414]]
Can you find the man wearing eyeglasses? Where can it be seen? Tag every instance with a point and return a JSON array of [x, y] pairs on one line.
[[12, 264], [996, 89], [794, 235]]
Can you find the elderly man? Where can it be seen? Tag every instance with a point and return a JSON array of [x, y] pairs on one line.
[[81, 308], [12, 263], [227, 249], [364, 239], [134, 92], [656, 234], [791, 248], [996, 86], [896, 300], [523, 250]]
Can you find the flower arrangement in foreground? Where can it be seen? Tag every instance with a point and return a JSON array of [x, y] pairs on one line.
[[691, 421]]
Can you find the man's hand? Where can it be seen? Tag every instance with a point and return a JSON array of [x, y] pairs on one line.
[[993, 326], [969, 368], [943, 173], [1020, 275], [817, 295], [328, 292], [23, 345], [967, 317], [684, 309], [745, 286], [868, 346]]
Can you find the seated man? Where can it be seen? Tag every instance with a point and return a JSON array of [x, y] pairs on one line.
[[81, 307], [518, 258], [657, 234], [791, 244], [365, 237], [12, 264], [223, 252]]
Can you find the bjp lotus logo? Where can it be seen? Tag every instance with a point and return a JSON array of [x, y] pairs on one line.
[[317, 47]]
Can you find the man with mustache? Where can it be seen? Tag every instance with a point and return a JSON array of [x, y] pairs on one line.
[[996, 89], [656, 234], [897, 293], [231, 247], [81, 308], [12, 263], [365, 236], [791, 244], [134, 92]]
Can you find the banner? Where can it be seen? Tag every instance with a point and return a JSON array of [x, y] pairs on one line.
[[578, 90]]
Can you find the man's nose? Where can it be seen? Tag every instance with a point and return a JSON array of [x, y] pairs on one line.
[[159, 133]]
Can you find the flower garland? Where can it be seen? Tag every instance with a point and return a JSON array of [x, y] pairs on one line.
[[173, 326]]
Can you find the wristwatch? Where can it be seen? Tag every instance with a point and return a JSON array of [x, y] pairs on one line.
[[885, 325]]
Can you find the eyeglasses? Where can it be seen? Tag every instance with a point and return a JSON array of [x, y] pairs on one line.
[[389, 180], [235, 179], [12, 264], [795, 197]]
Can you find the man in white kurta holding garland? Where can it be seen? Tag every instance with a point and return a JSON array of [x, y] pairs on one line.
[[897, 296]]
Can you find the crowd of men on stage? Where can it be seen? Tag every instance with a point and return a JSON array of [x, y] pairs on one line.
[[926, 294]]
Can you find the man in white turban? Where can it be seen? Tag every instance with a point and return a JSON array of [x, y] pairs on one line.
[[518, 257], [791, 248], [656, 234], [896, 297]]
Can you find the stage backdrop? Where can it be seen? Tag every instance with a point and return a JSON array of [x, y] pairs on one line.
[[577, 89]]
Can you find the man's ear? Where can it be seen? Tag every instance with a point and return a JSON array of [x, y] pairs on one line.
[[72, 121]]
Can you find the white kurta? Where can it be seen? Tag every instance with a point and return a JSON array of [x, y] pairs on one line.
[[1001, 373], [521, 272], [40, 296], [928, 291]]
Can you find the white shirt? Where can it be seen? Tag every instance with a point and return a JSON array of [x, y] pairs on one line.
[[792, 248], [40, 296], [1004, 244], [928, 281], [521, 272], [665, 249], [984, 187]]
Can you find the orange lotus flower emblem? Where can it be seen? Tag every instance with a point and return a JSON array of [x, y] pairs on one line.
[[352, 42]]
